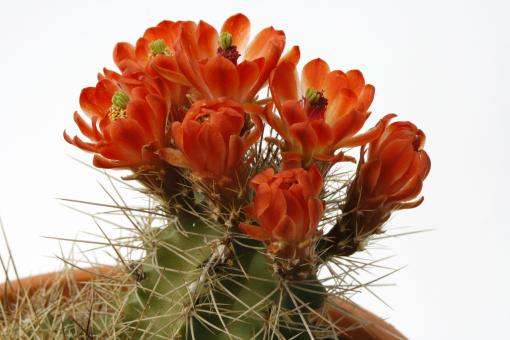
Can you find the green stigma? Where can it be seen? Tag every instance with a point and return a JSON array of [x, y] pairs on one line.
[[312, 95], [157, 47], [225, 40], [120, 99]]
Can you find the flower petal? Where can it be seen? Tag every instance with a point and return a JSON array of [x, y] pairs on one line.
[[207, 40], [239, 26], [268, 44], [174, 157], [221, 77], [123, 51], [356, 81], [292, 56], [283, 84], [255, 232], [314, 75]]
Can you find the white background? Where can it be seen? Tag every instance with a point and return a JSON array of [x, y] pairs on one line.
[[441, 64]]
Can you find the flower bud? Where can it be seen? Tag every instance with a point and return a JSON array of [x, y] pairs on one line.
[[287, 209]]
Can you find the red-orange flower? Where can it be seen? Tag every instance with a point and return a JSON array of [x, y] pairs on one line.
[[287, 209], [136, 63], [156, 41], [321, 114], [126, 127], [390, 178], [210, 63], [211, 140]]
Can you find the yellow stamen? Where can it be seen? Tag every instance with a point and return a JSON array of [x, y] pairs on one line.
[[118, 110], [115, 112]]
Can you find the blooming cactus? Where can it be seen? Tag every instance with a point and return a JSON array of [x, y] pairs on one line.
[[187, 113]]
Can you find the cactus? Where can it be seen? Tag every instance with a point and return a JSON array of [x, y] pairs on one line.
[[250, 215]]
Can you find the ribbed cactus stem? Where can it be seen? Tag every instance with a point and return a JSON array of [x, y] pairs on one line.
[[172, 273], [200, 281]]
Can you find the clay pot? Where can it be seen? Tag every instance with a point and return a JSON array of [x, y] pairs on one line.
[[359, 323], [9, 291]]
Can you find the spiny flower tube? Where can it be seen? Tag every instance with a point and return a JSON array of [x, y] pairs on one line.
[[320, 114], [287, 209], [389, 179], [126, 128], [212, 140], [220, 65]]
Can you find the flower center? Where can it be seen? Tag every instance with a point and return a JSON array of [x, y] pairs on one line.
[[119, 104], [315, 103], [158, 47], [226, 49]]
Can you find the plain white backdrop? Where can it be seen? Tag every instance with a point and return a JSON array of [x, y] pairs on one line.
[[441, 64]]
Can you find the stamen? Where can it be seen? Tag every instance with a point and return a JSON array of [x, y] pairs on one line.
[[312, 95], [119, 104], [120, 99], [115, 112], [315, 103], [158, 47], [225, 40]]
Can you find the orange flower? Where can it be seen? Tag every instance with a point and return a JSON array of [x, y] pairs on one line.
[[390, 178], [136, 63], [211, 140], [126, 127], [156, 42], [321, 115], [287, 209], [209, 61]]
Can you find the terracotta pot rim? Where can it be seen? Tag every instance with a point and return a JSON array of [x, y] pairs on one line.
[[12, 289]]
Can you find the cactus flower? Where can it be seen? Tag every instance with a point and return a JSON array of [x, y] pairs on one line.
[[126, 129], [220, 65], [211, 140], [320, 114], [390, 178], [287, 209], [395, 169], [137, 64], [156, 41]]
